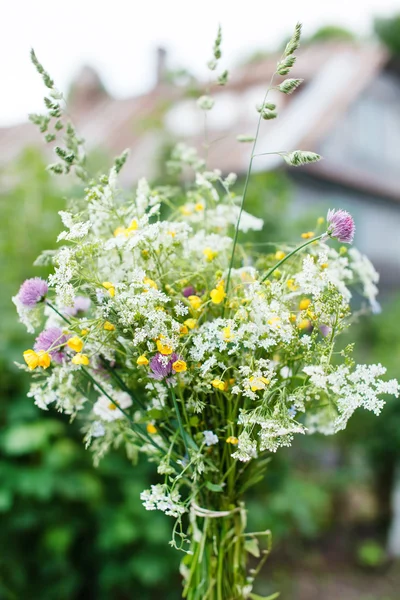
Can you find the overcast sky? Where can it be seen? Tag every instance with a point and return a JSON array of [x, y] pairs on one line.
[[119, 37]]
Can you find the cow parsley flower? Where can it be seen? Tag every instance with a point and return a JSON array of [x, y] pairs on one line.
[[158, 497], [210, 439]]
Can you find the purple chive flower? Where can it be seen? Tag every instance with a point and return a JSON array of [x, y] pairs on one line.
[[161, 366], [341, 225], [325, 330], [189, 291], [52, 340], [80, 306], [32, 291]]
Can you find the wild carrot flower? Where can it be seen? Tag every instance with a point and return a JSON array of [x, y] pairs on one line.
[[52, 340], [340, 226], [32, 291]]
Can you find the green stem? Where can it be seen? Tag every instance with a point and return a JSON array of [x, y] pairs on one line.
[[58, 312], [278, 264], [178, 416], [135, 426], [235, 239]]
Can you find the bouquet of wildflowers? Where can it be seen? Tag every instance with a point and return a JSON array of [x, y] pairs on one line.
[[160, 332]]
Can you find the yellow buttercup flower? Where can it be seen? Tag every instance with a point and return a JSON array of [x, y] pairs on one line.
[[108, 326], [44, 359], [31, 359], [119, 231], [324, 265], [150, 283], [218, 293], [304, 304], [84, 331], [151, 429], [218, 384], [228, 335], [258, 383], [191, 323], [274, 321], [164, 348], [307, 235], [232, 440], [75, 343], [80, 359], [195, 302], [291, 285], [37, 359], [133, 226], [304, 324], [279, 255], [185, 210], [109, 287], [210, 254], [179, 366], [142, 361], [184, 329]]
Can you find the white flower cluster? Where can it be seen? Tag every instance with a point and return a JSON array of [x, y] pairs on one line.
[[159, 498], [360, 388]]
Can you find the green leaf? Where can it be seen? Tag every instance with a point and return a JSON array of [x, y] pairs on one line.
[[271, 597], [154, 413], [251, 546], [245, 138], [214, 487]]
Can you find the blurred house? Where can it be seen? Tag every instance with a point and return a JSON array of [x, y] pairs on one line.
[[347, 110]]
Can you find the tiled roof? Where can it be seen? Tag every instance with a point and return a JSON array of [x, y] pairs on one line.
[[335, 75]]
